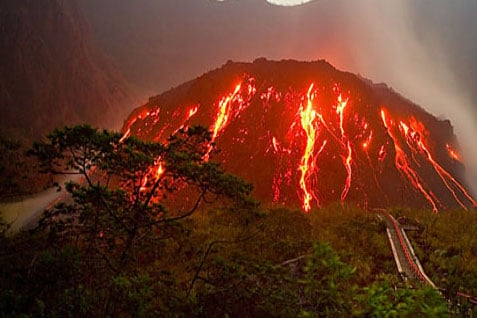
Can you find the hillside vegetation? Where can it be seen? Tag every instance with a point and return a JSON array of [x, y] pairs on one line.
[[223, 261], [120, 248], [446, 244]]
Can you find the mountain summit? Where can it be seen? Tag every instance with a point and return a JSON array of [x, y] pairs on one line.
[[307, 134]]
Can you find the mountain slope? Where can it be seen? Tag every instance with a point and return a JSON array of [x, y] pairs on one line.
[[308, 134], [51, 74]]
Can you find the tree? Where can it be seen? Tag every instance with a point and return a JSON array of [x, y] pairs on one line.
[[327, 288], [129, 195]]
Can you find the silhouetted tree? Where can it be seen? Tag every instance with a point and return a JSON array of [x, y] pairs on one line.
[[130, 196]]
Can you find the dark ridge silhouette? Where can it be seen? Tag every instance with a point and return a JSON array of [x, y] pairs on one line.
[[51, 73]]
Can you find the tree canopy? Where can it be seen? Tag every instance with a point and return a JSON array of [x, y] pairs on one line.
[[127, 242], [119, 200]]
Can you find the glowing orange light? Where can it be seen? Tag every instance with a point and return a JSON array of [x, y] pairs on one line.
[[275, 144], [452, 153], [404, 167], [348, 159], [225, 108], [340, 111], [307, 162], [416, 136], [293, 152], [368, 140], [160, 171], [192, 111], [382, 154], [143, 114], [143, 187], [125, 135], [225, 112]]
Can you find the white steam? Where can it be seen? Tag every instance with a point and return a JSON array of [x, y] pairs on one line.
[[386, 47]]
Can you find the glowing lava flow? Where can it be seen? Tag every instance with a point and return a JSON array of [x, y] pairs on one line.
[[157, 170], [308, 161], [143, 114], [190, 114], [414, 135], [222, 117], [452, 153], [368, 142], [404, 167], [226, 112], [304, 144], [160, 171], [348, 159]]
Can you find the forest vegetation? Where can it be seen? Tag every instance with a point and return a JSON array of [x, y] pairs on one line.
[[124, 247]]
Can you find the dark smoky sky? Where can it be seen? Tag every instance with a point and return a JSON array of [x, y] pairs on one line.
[[424, 49]]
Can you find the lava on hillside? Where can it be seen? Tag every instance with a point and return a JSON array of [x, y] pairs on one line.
[[307, 134]]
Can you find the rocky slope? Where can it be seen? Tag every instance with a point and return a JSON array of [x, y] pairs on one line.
[[307, 134]]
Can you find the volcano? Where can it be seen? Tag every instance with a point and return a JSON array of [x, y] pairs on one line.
[[306, 134]]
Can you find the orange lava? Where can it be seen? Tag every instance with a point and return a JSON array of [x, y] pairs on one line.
[[192, 111], [301, 127], [403, 165], [452, 153], [348, 159], [415, 134], [226, 110], [368, 141], [308, 161], [224, 113], [160, 171]]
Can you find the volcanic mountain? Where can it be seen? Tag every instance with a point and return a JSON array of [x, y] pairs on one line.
[[306, 134]]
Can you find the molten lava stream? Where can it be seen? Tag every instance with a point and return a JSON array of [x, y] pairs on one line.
[[307, 165], [348, 159], [192, 111], [226, 112], [404, 167], [452, 153], [415, 135]]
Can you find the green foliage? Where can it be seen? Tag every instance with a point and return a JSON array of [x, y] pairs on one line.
[[219, 264], [446, 246], [129, 243], [327, 290], [122, 197], [380, 300], [240, 287], [358, 236], [119, 219]]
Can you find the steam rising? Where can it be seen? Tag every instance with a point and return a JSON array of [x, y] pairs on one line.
[[389, 48]]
